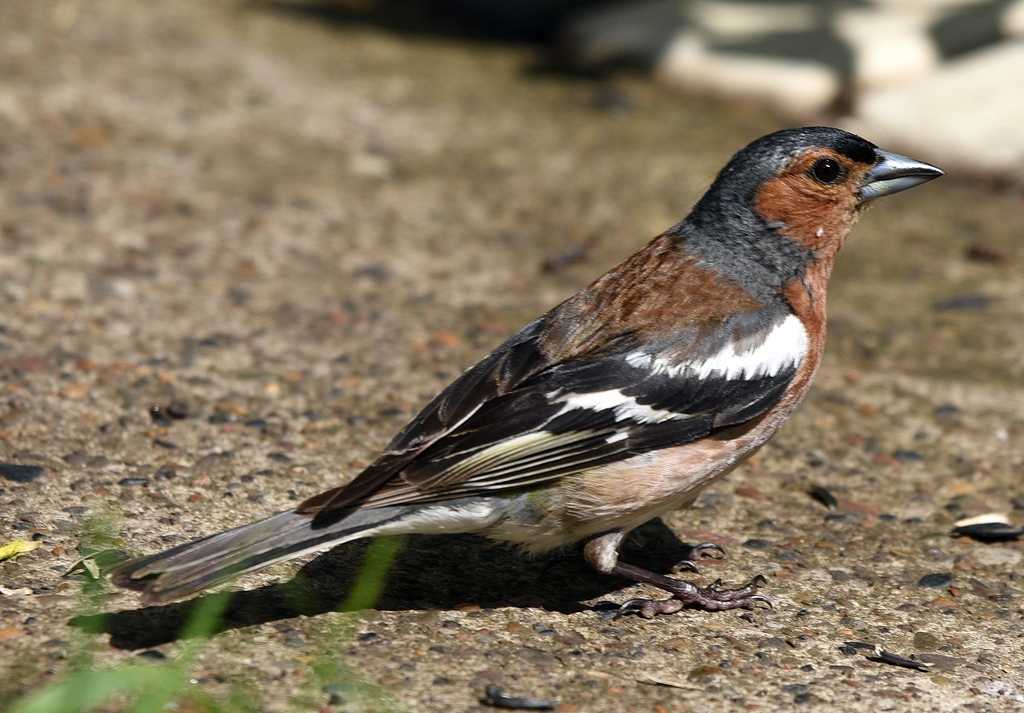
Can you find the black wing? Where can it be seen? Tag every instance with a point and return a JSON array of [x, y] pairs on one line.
[[568, 417]]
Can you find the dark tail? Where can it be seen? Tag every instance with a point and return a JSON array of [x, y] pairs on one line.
[[201, 564]]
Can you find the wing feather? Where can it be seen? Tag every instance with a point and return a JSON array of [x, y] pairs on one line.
[[516, 420]]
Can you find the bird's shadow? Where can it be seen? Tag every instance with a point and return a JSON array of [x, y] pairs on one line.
[[429, 572]]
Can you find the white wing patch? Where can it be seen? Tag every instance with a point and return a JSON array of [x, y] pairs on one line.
[[783, 347], [623, 406]]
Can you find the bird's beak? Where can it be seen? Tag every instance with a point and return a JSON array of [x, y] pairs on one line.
[[894, 173]]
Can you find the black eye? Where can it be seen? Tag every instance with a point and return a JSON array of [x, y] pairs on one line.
[[826, 170]]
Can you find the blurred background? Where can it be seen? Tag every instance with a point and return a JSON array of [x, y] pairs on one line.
[[241, 243]]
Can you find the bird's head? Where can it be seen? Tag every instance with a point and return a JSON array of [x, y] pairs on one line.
[[791, 197]]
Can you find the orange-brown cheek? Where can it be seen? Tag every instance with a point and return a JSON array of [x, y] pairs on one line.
[[819, 218]]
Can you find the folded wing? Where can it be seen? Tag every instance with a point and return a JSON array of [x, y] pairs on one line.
[[516, 420]]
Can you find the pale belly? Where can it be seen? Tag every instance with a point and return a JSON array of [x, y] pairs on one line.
[[626, 494]]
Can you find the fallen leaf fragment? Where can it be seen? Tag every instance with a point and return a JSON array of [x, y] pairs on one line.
[[15, 548]]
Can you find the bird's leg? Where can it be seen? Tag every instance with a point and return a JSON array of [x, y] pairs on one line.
[[602, 553]]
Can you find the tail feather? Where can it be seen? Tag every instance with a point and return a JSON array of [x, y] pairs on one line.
[[203, 563]]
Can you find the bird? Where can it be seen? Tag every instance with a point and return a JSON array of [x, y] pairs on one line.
[[620, 404]]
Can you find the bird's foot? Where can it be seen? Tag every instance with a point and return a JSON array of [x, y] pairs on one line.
[[712, 598], [705, 550]]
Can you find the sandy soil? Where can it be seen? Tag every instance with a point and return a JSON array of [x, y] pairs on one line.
[[300, 229]]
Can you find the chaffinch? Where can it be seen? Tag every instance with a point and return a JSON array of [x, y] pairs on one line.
[[620, 404]]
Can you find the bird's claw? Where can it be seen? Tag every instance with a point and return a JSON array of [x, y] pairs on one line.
[[707, 550], [711, 598], [688, 565]]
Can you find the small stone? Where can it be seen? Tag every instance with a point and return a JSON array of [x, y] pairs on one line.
[[20, 473], [165, 472], [153, 654], [923, 641], [134, 480], [76, 458], [375, 271], [963, 303], [936, 579], [755, 544], [907, 456], [979, 252], [164, 414], [177, 410]]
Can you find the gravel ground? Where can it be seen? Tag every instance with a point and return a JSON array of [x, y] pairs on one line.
[[288, 233]]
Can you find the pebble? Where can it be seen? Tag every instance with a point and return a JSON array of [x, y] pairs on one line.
[[969, 302], [907, 456], [134, 480], [76, 458], [20, 473], [755, 544], [979, 252], [824, 496], [165, 472], [935, 579], [174, 411]]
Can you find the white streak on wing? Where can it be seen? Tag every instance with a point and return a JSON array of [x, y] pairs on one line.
[[625, 407], [512, 449], [783, 347]]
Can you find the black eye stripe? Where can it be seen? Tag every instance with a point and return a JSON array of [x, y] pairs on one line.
[[827, 170]]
